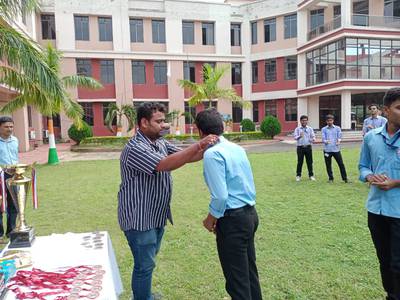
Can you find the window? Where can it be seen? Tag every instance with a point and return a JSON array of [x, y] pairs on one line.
[[236, 73], [136, 27], [160, 72], [81, 28], [105, 29], [316, 18], [392, 8], [190, 113], [87, 112], [207, 33], [291, 110], [290, 68], [188, 32], [237, 113], [84, 67], [56, 120], [270, 108], [254, 71], [189, 71], [270, 70], [270, 30], [138, 72], [107, 71], [253, 32], [235, 34], [290, 26], [48, 27], [255, 111], [158, 31], [360, 13], [105, 111]]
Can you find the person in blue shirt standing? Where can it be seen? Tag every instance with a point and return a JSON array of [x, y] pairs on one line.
[[331, 138], [374, 121], [8, 156], [379, 165], [232, 215], [304, 136]]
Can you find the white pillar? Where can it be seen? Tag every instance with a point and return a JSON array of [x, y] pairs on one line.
[[346, 109], [302, 26], [301, 70], [346, 12], [20, 118], [302, 107], [313, 112], [246, 68]]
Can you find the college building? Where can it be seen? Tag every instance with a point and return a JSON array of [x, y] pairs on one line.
[[287, 57]]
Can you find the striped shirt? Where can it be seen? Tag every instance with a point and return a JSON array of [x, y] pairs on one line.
[[144, 196]]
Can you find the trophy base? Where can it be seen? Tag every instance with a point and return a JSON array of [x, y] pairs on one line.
[[22, 239]]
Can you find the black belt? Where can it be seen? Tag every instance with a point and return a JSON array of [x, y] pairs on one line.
[[304, 146], [238, 211]]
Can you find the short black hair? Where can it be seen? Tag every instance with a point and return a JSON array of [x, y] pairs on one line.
[[303, 117], [373, 104], [329, 117], [391, 96], [6, 119], [147, 109], [209, 121]]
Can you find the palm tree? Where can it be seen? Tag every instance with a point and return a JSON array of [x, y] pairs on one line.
[[173, 118], [115, 112]]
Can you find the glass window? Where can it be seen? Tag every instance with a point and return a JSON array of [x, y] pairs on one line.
[[254, 71], [255, 111], [270, 70], [235, 34], [136, 28], [316, 18], [290, 68], [207, 31], [290, 26], [270, 30], [291, 110], [48, 27], [107, 71], [87, 112], [158, 31], [188, 32], [270, 108], [81, 28], [392, 8], [254, 32], [105, 29], [189, 71], [84, 67], [236, 73], [138, 72], [237, 113], [160, 72], [360, 13]]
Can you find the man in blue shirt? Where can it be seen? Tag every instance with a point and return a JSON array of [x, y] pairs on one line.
[[232, 215], [374, 121], [8, 156], [379, 165], [304, 136], [331, 138]]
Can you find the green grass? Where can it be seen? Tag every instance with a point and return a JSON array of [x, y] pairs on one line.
[[312, 242]]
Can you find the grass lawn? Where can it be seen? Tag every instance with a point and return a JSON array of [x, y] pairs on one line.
[[312, 242]]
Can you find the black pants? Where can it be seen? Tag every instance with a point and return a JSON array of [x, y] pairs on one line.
[[307, 152], [339, 160], [11, 213], [385, 233], [235, 243]]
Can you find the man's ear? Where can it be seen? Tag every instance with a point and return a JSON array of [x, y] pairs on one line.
[[144, 123]]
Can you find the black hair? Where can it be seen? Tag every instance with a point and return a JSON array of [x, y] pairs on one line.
[[391, 96], [5, 119], [303, 117], [209, 121], [329, 117], [373, 104], [147, 109]]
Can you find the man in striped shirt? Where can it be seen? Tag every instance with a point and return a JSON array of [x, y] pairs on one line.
[[145, 191]]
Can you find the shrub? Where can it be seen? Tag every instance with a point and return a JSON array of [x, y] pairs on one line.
[[270, 126], [78, 135], [247, 125]]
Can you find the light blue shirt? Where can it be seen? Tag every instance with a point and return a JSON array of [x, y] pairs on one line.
[[375, 122], [380, 154], [330, 137], [9, 151], [229, 178], [308, 137]]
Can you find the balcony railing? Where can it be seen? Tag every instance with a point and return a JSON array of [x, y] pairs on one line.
[[376, 21], [332, 25]]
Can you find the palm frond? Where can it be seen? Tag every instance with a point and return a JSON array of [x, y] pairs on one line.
[[189, 85], [112, 111], [72, 109], [130, 114], [9, 9], [72, 81]]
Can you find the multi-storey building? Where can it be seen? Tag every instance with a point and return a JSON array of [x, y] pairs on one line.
[[287, 57]]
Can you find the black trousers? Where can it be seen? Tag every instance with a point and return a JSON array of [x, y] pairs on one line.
[[307, 152], [339, 160], [235, 242], [385, 233], [11, 213]]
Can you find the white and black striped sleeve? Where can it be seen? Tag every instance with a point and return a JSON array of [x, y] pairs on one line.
[[171, 148], [143, 159]]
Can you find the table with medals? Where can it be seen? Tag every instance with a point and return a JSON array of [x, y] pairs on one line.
[[64, 267]]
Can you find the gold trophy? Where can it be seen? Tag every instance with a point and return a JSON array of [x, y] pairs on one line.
[[19, 185]]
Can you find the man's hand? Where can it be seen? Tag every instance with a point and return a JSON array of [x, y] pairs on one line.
[[210, 223], [376, 178], [371, 126], [302, 134], [210, 139], [338, 142], [387, 184]]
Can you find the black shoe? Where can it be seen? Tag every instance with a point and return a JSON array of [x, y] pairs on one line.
[[346, 181]]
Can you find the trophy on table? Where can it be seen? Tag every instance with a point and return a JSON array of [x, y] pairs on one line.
[[18, 186]]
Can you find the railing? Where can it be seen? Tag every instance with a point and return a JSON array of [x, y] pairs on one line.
[[332, 25], [376, 21]]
